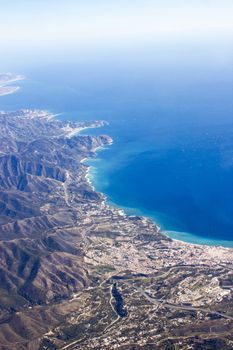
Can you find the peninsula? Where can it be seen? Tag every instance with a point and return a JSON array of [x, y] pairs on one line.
[[5, 80], [77, 273]]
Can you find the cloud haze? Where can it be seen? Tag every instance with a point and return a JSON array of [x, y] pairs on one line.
[[44, 22]]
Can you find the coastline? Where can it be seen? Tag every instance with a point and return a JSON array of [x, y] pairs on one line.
[[85, 247], [73, 131], [5, 86], [88, 174], [10, 81], [9, 90], [176, 236], [189, 238]]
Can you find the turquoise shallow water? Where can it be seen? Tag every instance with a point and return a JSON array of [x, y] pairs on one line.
[[172, 125]]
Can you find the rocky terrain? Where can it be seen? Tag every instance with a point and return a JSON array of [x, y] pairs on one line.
[[78, 274]]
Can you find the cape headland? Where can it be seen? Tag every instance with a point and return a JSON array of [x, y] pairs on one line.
[[7, 79], [78, 273]]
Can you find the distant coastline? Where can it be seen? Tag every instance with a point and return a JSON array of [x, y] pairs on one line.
[[5, 80]]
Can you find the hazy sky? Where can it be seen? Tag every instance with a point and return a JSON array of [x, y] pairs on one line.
[[46, 22]]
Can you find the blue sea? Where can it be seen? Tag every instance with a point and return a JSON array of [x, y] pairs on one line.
[[170, 114]]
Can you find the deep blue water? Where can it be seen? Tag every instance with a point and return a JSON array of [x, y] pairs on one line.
[[172, 125]]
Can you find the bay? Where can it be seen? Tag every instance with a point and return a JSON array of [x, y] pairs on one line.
[[172, 126]]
